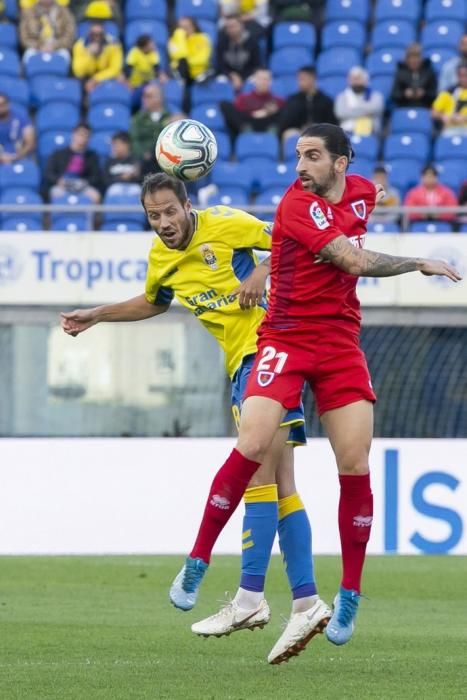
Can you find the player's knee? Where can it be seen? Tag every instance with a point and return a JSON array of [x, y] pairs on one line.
[[253, 447], [353, 463]]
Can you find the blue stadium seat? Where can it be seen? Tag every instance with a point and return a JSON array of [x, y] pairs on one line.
[[382, 83], [128, 195], [23, 223], [384, 61], [430, 227], [11, 9], [199, 9], [404, 173], [145, 9], [393, 33], [209, 114], [416, 146], [439, 56], [173, 93], [213, 91], [16, 89], [365, 146], [122, 226], [411, 119], [229, 197], [53, 116], [224, 174], [441, 34], [261, 145], [46, 63], [446, 9], [332, 85], [111, 28], [109, 117], [279, 176], [50, 141], [19, 197], [463, 228], [70, 221], [351, 33], [271, 198], [209, 28], [224, 148], [383, 227], [363, 167], [345, 10], [52, 88], [9, 63], [22, 173], [398, 9], [288, 60], [294, 34], [289, 147], [337, 61], [110, 91], [259, 168], [282, 87], [100, 142], [8, 36], [450, 147], [452, 173], [157, 30]]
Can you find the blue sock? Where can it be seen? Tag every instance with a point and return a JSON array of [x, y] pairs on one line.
[[295, 543], [259, 531]]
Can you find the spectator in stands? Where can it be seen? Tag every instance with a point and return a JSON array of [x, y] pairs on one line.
[[47, 27], [17, 136], [392, 198], [359, 108], [448, 74], [74, 169], [257, 109], [99, 10], [450, 107], [308, 106], [297, 11], [97, 57], [27, 4], [237, 52], [189, 51], [121, 167], [147, 124], [415, 80], [430, 193], [142, 62]]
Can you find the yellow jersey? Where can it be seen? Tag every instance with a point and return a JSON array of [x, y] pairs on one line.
[[203, 276]]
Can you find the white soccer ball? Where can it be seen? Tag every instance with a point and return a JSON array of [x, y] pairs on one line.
[[186, 149]]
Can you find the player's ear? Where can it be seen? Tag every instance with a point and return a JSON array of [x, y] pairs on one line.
[[341, 164], [188, 206]]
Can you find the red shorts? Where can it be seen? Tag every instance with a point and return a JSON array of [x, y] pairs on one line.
[[330, 360]]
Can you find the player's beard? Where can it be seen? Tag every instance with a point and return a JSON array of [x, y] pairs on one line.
[[325, 186]]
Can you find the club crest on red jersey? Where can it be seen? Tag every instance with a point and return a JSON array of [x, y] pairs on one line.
[[318, 217], [359, 208]]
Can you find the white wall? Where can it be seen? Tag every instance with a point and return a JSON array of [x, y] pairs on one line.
[[91, 496]]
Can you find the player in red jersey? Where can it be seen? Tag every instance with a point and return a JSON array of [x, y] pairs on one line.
[[311, 333]]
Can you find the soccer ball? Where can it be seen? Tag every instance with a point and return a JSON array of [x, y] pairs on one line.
[[186, 149]]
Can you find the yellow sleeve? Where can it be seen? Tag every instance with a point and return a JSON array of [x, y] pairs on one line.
[[240, 229], [442, 104], [199, 52], [132, 57], [115, 63], [83, 63], [177, 46], [155, 292]]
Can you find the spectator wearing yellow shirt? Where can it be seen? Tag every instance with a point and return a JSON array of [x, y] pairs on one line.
[[47, 27], [142, 62], [27, 4], [450, 107], [97, 57], [189, 50]]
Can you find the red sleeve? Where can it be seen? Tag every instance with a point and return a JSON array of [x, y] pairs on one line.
[[241, 102], [304, 220]]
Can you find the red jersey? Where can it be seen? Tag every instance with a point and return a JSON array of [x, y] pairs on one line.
[[305, 290]]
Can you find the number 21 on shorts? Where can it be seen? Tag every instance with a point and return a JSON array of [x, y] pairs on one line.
[[270, 364]]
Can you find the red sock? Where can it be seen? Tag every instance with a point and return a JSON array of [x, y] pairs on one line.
[[227, 489], [355, 518]]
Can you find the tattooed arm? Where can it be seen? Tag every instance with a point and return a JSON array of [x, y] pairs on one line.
[[367, 263]]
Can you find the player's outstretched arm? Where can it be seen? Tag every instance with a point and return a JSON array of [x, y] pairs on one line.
[[369, 263], [135, 309], [251, 291]]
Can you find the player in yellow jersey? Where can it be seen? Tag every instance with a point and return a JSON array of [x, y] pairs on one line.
[[201, 258]]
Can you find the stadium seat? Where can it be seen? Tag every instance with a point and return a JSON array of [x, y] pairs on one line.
[[430, 227], [398, 9], [404, 173], [382, 83], [111, 28], [213, 91], [109, 117], [209, 28], [8, 36], [224, 174], [365, 146], [393, 33], [293, 34], [259, 168], [345, 10], [9, 63], [261, 145], [337, 61], [332, 85], [452, 173], [230, 197], [224, 148], [11, 9], [16, 89], [463, 228], [384, 61], [129, 196], [383, 227], [157, 30], [450, 147], [289, 147], [209, 114], [288, 60], [270, 198], [411, 120], [19, 197], [46, 63], [173, 93], [53, 116], [23, 223], [50, 141], [350, 34], [439, 56], [121, 226], [441, 34], [100, 141], [283, 87], [145, 9], [110, 91], [363, 167], [198, 9], [279, 176], [22, 173], [52, 88], [446, 10], [71, 221], [414, 145]]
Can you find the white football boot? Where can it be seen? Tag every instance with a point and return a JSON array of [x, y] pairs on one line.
[[300, 629], [232, 618]]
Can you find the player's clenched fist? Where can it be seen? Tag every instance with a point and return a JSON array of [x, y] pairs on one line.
[[75, 322]]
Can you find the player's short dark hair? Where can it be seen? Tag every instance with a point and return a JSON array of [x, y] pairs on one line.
[[121, 136], [143, 40], [82, 125], [336, 140], [430, 168], [161, 181], [311, 70]]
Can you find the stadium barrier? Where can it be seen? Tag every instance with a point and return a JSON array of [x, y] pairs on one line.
[[147, 496]]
